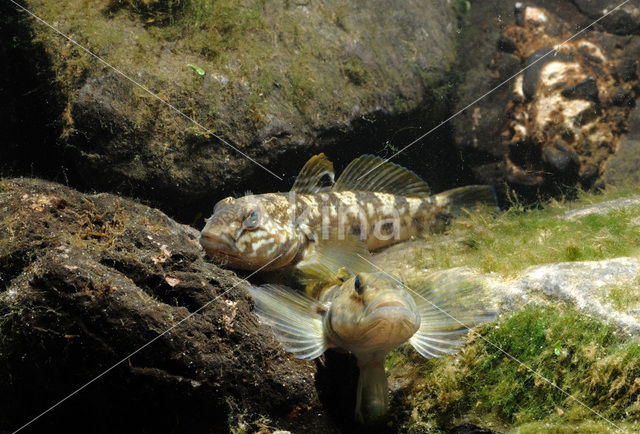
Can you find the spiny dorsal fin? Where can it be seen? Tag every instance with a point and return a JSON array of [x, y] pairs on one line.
[[329, 261], [371, 173], [294, 318], [311, 175], [449, 306]]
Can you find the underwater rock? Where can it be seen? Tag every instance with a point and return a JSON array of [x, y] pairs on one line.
[[622, 168], [564, 116], [602, 207], [277, 81], [86, 280], [591, 287], [586, 89], [586, 285], [623, 21]]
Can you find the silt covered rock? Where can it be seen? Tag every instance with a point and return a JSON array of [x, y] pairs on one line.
[[87, 280]]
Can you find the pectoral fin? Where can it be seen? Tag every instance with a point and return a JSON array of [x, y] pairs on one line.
[[333, 260], [295, 319], [449, 307]]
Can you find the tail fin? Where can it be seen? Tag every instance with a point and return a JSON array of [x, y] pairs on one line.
[[468, 197]]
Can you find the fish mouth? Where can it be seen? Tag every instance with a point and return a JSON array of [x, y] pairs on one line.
[[391, 312], [217, 244], [389, 302], [390, 319]]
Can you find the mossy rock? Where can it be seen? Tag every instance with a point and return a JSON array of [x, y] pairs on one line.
[[542, 368], [276, 82]]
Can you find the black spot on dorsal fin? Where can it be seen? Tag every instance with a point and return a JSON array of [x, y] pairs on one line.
[[314, 176]]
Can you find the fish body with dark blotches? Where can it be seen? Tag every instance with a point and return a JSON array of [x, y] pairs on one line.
[[376, 201], [368, 315]]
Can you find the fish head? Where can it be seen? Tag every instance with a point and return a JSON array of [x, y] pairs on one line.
[[250, 233], [372, 314]]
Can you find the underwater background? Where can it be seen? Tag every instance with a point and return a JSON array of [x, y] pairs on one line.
[[125, 121]]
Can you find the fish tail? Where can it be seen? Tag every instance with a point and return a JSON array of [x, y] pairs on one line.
[[456, 200], [372, 399]]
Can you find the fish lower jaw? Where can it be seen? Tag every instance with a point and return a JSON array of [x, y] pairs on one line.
[[215, 246]]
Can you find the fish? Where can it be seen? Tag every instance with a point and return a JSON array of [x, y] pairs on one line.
[[369, 314], [377, 201]]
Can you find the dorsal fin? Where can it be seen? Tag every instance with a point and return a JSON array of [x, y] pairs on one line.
[[371, 173], [311, 175]]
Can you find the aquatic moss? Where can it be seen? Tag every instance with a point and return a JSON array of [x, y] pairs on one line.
[[491, 379], [623, 297], [151, 10], [520, 237], [302, 83], [355, 71]]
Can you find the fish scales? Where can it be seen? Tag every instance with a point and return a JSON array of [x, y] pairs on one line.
[[379, 219], [368, 315], [377, 202]]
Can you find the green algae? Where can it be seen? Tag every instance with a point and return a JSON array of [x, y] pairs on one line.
[[260, 59], [355, 71], [520, 237], [491, 381], [623, 297]]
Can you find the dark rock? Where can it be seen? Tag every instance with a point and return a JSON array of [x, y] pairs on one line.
[[87, 280], [561, 158], [585, 116], [588, 174], [626, 70], [506, 66], [586, 89], [534, 63], [622, 21], [506, 44], [622, 97]]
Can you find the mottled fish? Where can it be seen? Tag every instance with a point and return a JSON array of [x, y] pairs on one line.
[[368, 315], [379, 202]]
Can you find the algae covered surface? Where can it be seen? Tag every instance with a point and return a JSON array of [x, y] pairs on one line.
[[525, 235], [518, 372], [274, 81], [546, 367]]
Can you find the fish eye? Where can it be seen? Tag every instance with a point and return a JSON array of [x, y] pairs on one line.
[[251, 221], [357, 285]]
